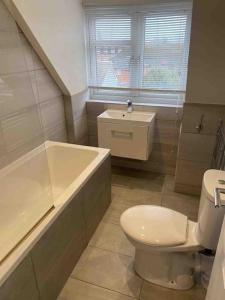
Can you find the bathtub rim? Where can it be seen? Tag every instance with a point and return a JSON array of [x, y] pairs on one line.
[[19, 253]]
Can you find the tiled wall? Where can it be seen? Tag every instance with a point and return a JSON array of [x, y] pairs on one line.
[[205, 94], [76, 115], [196, 149], [164, 154], [31, 104]]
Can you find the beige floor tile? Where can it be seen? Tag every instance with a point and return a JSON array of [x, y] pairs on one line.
[[79, 290], [117, 191], [169, 184], [123, 198], [109, 270], [114, 212], [185, 204], [136, 197], [105, 270], [135, 179], [153, 292], [111, 237]]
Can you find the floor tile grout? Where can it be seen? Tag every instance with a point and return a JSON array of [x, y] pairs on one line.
[[139, 297], [110, 251], [102, 287], [165, 186]]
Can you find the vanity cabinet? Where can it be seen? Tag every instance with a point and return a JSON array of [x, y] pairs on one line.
[[127, 134]]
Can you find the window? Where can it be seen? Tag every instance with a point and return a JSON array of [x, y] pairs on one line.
[[140, 52]]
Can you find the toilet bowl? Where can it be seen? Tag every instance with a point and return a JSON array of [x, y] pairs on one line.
[[166, 242]]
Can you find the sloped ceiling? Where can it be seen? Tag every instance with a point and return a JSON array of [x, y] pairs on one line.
[[55, 28]]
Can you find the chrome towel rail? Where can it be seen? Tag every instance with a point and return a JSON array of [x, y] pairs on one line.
[[219, 152], [217, 192]]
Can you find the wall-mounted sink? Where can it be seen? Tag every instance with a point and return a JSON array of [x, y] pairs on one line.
[[127, 134], [140, 118]]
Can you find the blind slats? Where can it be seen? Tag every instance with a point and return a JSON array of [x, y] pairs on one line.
[[139, 50]]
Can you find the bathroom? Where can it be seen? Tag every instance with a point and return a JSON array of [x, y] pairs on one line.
[[112, 149]]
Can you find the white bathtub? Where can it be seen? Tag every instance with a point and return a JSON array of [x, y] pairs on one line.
[[35, 189]]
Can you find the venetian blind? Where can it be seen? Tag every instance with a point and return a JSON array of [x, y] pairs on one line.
[[141, 48]]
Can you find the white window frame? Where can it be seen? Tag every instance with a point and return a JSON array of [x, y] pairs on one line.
[[139, 95]]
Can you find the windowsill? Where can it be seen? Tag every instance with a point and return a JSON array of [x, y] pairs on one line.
[[135, 104]]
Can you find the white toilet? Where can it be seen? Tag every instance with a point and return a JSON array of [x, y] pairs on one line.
[[166, 241]]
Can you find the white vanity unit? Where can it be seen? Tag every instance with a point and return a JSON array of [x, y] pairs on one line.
[[126, 134]]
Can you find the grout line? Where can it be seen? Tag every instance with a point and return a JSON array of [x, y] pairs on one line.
[[103, 287], [142, 284], [114, 252], [110, 251]]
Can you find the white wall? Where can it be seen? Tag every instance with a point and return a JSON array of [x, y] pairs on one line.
[[56, 30]]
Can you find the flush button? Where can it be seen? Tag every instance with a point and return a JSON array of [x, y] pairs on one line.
[[220, 181]]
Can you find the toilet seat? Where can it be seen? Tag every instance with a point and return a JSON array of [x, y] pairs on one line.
[[155, 226]]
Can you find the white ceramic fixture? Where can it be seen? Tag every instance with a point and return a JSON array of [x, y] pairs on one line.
[[126, 134], [216, 289], [34, 190], [166, 241]]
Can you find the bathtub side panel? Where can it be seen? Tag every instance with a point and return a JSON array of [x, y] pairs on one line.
[[57, 252], [97, 197], [21, 284]]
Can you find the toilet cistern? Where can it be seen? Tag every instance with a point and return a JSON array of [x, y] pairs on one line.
[[129, 106]]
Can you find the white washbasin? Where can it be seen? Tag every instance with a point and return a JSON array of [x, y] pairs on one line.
[[122, 115], [127, 134]]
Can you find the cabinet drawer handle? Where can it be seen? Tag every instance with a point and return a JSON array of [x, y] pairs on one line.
[[122, 134]]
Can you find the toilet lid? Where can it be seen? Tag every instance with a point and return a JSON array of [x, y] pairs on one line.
[[155, 225]]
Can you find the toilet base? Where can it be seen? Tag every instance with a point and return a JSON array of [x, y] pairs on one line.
[[170, 270]]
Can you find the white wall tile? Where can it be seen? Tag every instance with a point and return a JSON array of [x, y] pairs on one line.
[[57, 133], [11, 54], [16, 93], [31, 59], [212, 115], [52, 111], [25, 120], [196, 150], [196, 147], [21, 128], [79, 103], [6, 23], [46, 86], [23, 149], [81, 129], [190, 173], [27, 52]]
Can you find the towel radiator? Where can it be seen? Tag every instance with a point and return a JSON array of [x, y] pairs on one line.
[[219, 152]]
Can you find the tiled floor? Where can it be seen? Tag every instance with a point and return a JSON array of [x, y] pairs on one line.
[[105, 270]]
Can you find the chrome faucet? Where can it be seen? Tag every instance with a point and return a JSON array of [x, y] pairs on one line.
[[129, 106]]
